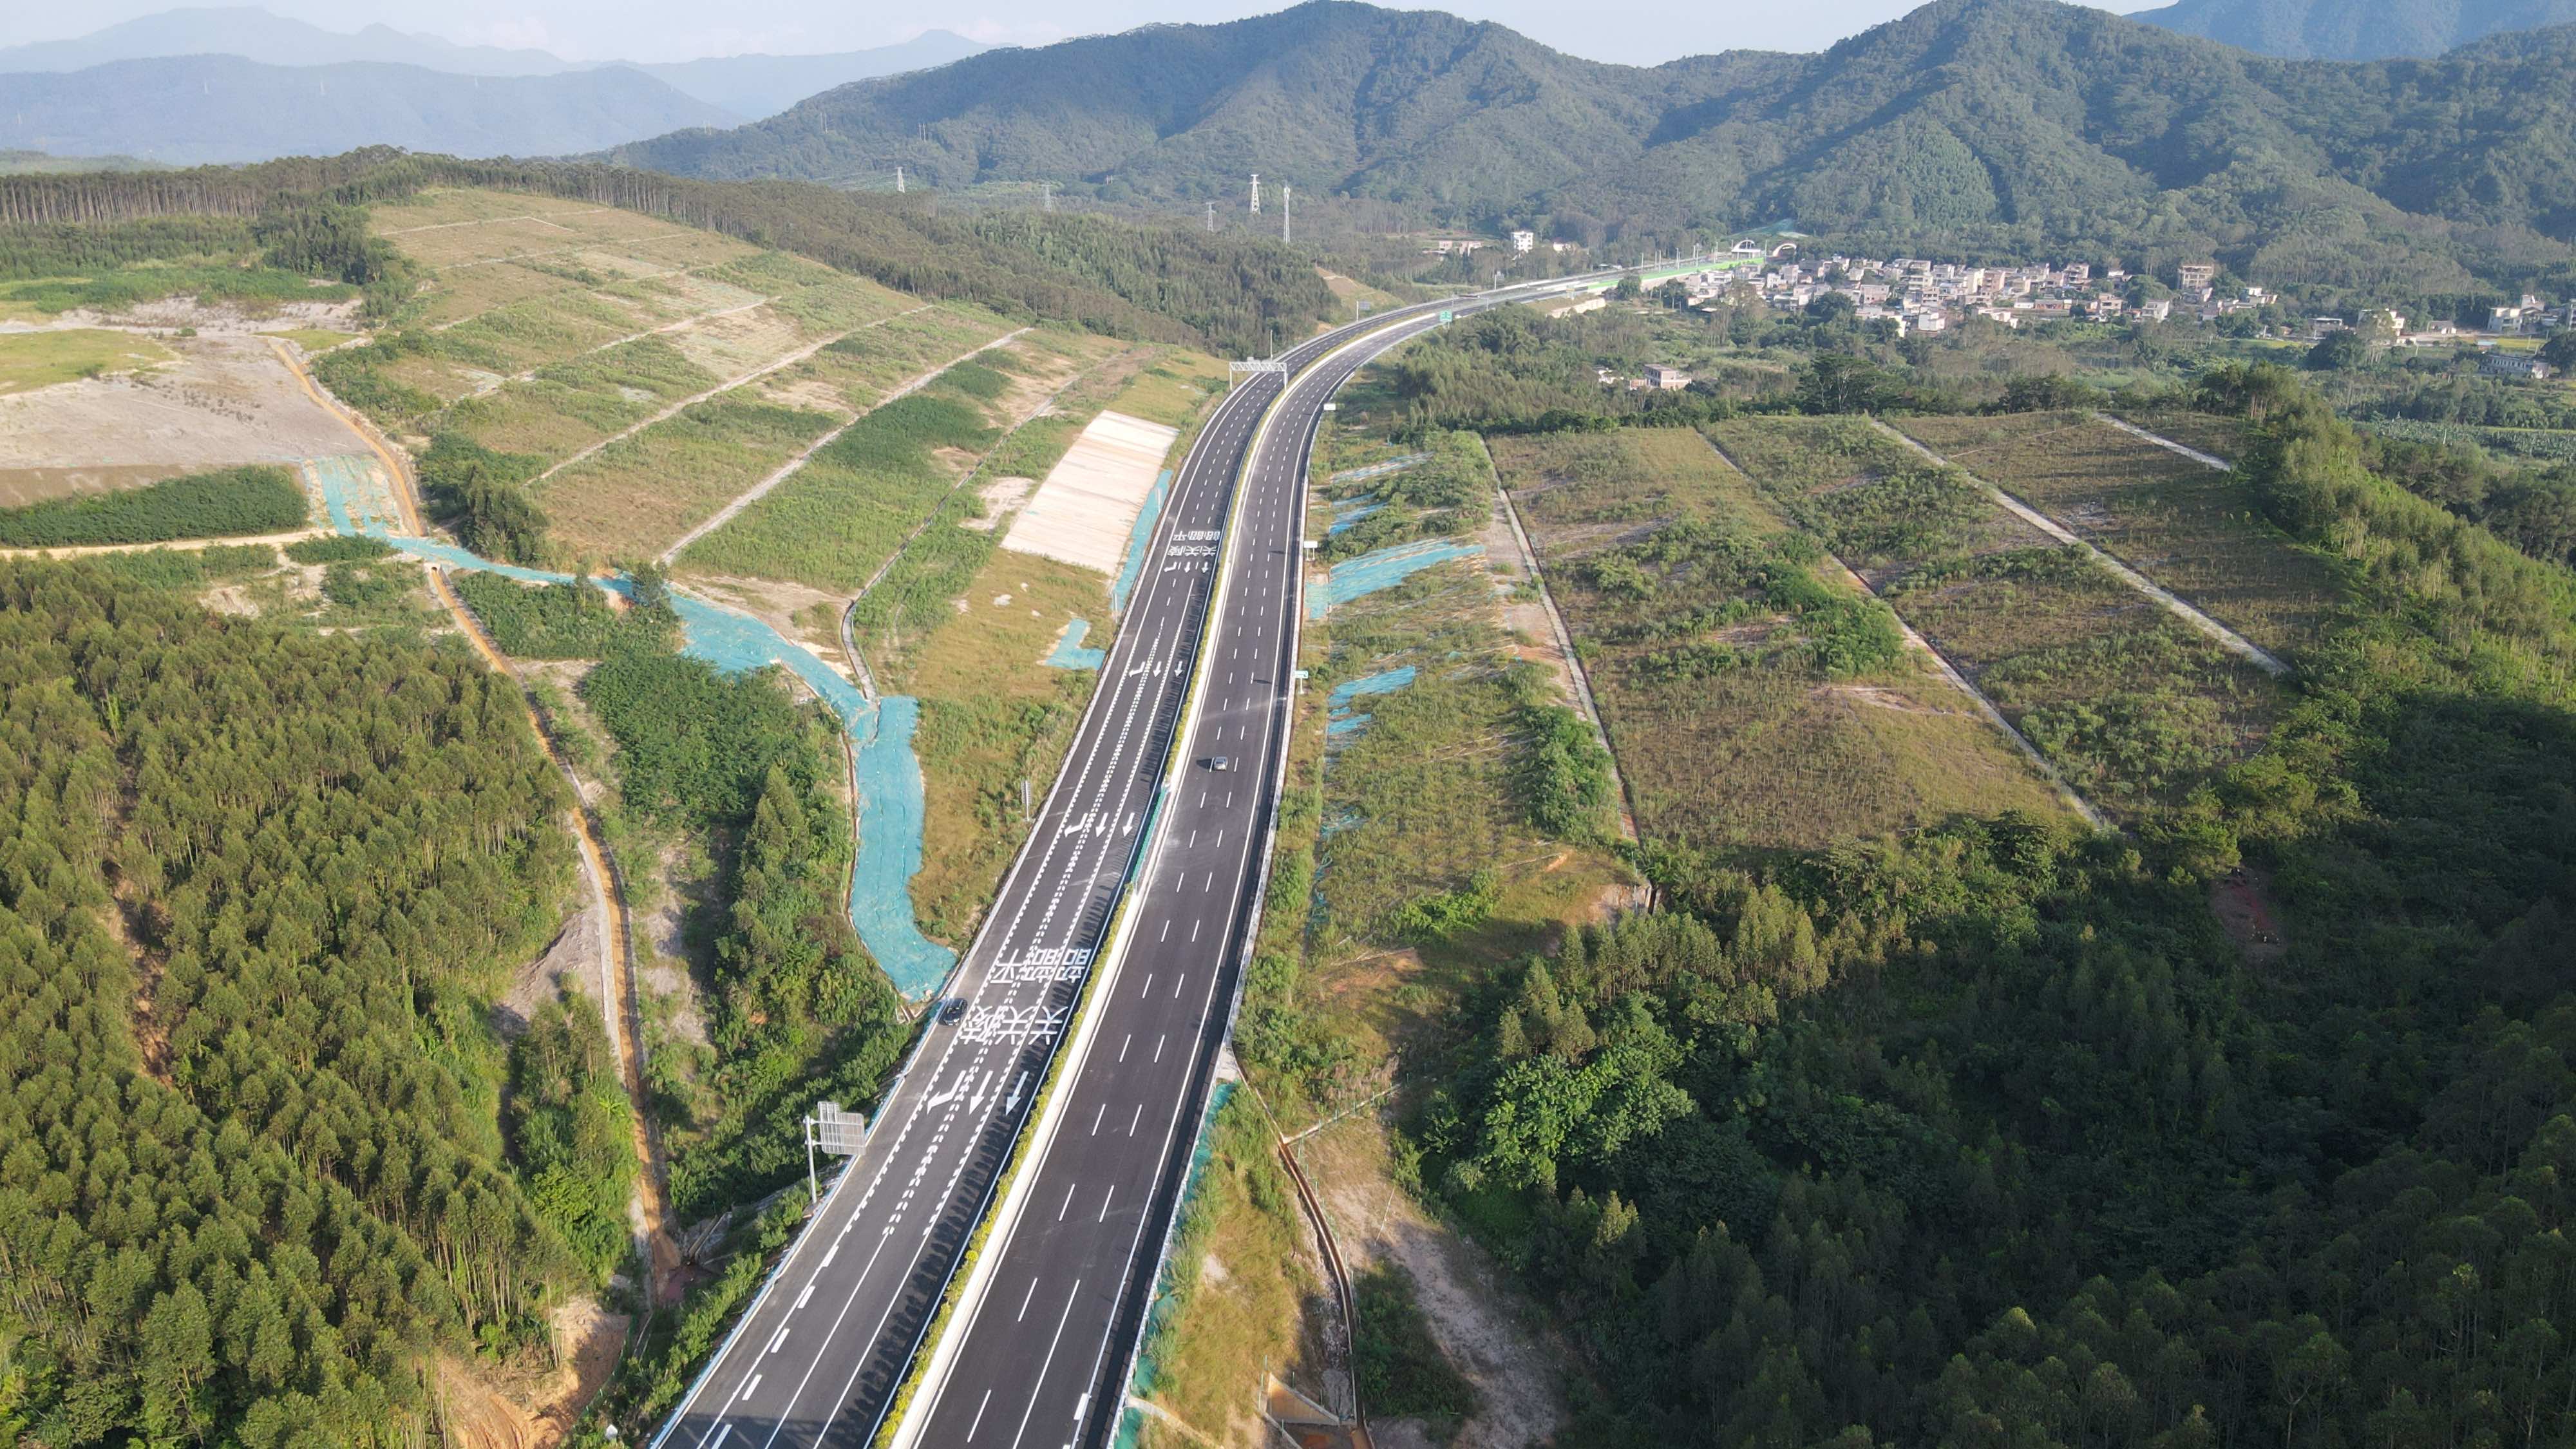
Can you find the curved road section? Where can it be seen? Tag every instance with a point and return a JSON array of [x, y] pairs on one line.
[[818, 1356]]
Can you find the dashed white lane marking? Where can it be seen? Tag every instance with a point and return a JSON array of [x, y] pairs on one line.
[[1123, 1045], [1139, 1117], [1032, 1293], [987, 1401], [748, 1385], [1068, 1202], [1105, 1200], [1158, 1045], [1095, 1125]]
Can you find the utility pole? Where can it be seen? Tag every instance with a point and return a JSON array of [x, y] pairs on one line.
[[1287, 193], [1256, 193]]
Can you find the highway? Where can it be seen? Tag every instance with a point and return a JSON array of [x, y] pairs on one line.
[[817, 1357]]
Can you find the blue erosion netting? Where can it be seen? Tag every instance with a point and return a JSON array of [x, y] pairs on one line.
[[1338, 703], [1069, 652], [888, 775], [1351, 511], [1131, 1422], [1383, 569], [1137, 538], [1379, 470]]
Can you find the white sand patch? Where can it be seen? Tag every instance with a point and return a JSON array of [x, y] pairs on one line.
[[1002, 497], [1088, 504]]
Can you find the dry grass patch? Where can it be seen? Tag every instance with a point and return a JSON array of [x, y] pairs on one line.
[[2189, 527], [2130, 704], [1729, 734]]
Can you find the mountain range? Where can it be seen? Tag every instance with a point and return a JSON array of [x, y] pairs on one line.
[[192, 109], [1977, 124], [745, 87], [2355, 29]]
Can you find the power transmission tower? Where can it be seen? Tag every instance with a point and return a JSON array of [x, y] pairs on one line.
[[1211, 216], [898, 181], [1287, 193], [1256, 193], [1047, 191]]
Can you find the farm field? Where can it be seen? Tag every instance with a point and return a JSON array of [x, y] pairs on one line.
[[2132, 705], [1755, 698], [2189, 527]]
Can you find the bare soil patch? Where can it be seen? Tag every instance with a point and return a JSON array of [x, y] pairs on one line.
[[226, 399], [2243, 902], [1489, 1335]]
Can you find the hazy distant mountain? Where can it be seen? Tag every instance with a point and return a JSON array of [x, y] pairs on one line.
[[255, 34], [2355, 29], [187, 110], [758, 86], [747, 86]]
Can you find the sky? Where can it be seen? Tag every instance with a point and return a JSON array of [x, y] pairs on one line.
[[1638, 32]]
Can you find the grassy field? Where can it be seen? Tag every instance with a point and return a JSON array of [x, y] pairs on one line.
[[41, 359], [2212, 433], [2189, 527], [1689, 595], [2130, 704], [992, 716]]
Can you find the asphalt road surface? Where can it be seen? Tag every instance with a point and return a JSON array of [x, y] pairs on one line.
[[818, 1355]]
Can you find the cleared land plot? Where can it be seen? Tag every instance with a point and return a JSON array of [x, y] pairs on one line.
[[227, 399], [639, 493], [568, 407], [2130, 703], [2189, 527], [834, 521], [1709, 627], [1088, 503], [2216, 434]]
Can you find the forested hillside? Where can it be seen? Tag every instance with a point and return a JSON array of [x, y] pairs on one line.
[[1174, 283], [257, 892], [2353, 29], [1970, 126]]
